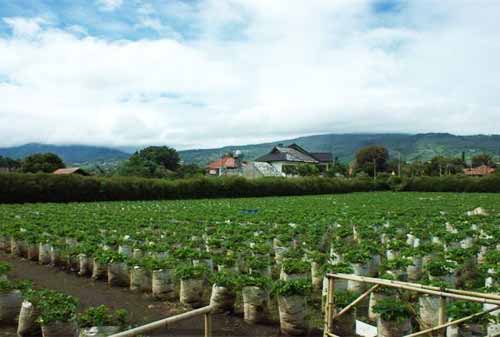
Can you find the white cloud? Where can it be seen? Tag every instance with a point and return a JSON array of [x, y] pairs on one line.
[[110, 5], [260, 70], [22, 27]]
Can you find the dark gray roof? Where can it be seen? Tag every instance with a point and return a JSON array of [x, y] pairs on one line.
[[323, 157], [293, 153]]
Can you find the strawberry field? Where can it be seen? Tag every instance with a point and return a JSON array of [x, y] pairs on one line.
[[267, 257]]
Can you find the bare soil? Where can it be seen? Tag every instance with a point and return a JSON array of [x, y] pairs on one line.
[[141, 307]]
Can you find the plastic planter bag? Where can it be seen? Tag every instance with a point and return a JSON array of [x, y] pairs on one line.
[[85, 265], [290, 277], [10, 305], [393, 328], [428, 309], [316, 275], [60, 329], [28, 327], [125, 250], [460, 330], [415, 269], [222, 299], [99, 270], [101, 331], [359, 270], [345, 325], [118, 274], [255, 304], [55, 257], [32, 252], [162, 285], [44, 253], [3, 243], [292, 311], [17, 247], [192, 292], [140, 279], [375, 297]]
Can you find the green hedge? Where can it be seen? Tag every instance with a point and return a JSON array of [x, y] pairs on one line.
[[19, 188], [489, 184]]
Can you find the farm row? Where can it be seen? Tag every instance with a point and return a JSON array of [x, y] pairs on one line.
[[273, 253]]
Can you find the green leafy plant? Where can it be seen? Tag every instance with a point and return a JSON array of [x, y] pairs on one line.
[[461, 309], [344, 298], [299, 287], [225, 279], [440, 267], [391, 309], [4, 268], [187, 272], [56, 307], [251, 280], [103, 316], [293, 266]]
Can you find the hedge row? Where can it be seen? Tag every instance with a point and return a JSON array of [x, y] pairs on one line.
[[19, 188], [489, 184]]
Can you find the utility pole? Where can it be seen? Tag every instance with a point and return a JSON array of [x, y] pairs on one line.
[[399, 163], [374, 168]]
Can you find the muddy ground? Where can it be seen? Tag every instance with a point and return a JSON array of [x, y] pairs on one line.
[[141, 308]]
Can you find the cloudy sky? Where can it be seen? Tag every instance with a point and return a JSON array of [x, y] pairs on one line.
[[205, 73]]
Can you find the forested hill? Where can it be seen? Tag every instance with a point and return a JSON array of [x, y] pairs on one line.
[[71, 154], [344, 146]]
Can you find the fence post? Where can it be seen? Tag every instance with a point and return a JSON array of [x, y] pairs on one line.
[[330, 306], [442, 315], [208, 325]]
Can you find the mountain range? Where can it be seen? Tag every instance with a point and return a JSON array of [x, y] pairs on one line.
[[343, 146], [71, 154]]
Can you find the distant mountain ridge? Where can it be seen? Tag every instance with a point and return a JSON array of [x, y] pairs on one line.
[[71, 154], [344, 146]]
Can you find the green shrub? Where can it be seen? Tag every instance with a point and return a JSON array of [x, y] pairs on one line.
[[453, 184]]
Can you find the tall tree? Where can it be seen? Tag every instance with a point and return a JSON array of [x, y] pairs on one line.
[[160, 155], [42, 162], [9, 163], [372, 159], [152, 162], [482, 159]]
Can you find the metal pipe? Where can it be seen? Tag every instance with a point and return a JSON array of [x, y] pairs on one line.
[[393, 284], [458, 321], [455, 291], [165, 322], [356, 301]]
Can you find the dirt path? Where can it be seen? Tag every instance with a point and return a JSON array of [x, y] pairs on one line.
[[141, 308]]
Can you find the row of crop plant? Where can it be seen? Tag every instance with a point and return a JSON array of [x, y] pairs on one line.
[[48, 313], [283, 264]]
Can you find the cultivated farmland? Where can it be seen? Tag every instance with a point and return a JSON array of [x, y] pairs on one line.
[[266, 257]]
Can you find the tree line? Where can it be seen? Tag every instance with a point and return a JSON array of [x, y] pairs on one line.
[[164, 162]]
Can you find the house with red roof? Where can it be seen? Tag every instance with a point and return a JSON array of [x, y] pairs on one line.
[[223, 166]]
